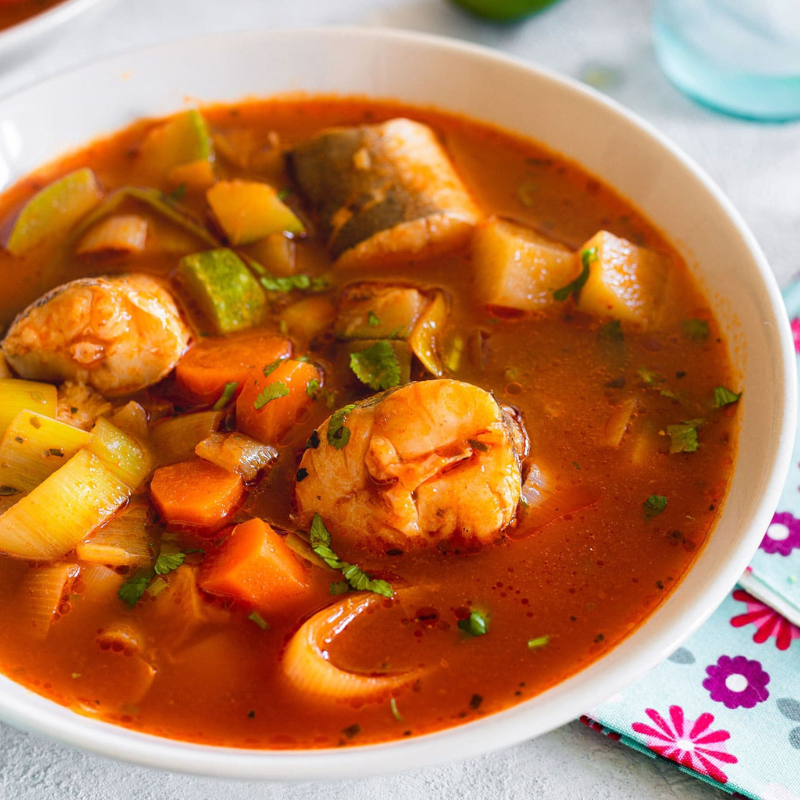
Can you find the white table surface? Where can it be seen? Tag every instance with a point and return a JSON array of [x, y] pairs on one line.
[[758, 166]]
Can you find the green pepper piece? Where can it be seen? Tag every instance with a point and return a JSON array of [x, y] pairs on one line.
[[223, 288], [504, 10]]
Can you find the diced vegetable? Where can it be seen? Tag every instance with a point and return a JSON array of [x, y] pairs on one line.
[[617, 423], [121, 234], [196, 175], [271, 404], [182, 140], [211, 363], [195, 493], [516, 267], [425, 337], [35, 446], [85, 494], [277, 253], [98, 584], [224, 289], [54, 210], [175, 439], [121, 542], [237, 453], [121, 454], [378, 311], [625, 281], [131, 419], [42, 593], [248, 211], [380, 363], [17, 395], [309, 317], [255, 565], [80, 405]]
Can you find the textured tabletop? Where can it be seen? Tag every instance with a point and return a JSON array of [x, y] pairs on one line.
[[605, 41]]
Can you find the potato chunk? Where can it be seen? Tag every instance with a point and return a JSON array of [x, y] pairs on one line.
[[519, 268], [625, 281]]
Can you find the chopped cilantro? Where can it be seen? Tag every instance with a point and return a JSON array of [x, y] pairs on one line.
[[271, 367], [395, 713], [178, 193], [271, 392], [476, 624], [588, 257], [649, 376], [654, 505], [376, 366], [481, 447], [684, 436], [132, 590], [227, 395], [357, 578], [283, 193], [725, 397], [259, 620], [695, 329], [539, 641], [668, 393], [167, 562], [338, 432], [611, 331], [339, 587], [289, 282], [352, 730], [373, 320], [576, 465], [312, 388]]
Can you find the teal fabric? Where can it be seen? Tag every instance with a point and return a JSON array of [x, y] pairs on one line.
[[725, 707]]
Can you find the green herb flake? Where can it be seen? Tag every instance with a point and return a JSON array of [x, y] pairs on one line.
[[338, 433], [168, 562], [695, 329], [475, 702], [376, 366], [312, 388], [683, 437], [481, 447], [359, 580], [538, 642], [227, 395], [611, 332], [351, 731], [649, 376], [588, 257], [339, 587], [654, 505], [282, 194], [272, 366], [132, 590], [259, 620], [476, 624], [725, 397], [178, 193], [395, 713], [271, 392], [576, 465], [373, 320], [289, 283]]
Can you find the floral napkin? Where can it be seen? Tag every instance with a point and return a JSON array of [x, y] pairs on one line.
[[725, 707]]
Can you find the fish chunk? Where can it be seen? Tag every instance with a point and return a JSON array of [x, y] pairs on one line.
[[117, 334], [384, 192]]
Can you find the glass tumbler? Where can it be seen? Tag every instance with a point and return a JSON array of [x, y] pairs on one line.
[[741, 57]]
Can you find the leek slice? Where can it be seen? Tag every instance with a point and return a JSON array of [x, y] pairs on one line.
[[62, 510], [35, 446], [121, 542], [237, 453], [424, 339], [17, 395], [98, 584], [121, 454], [121, 234], [44, 589], [175, 439], [54, 210]]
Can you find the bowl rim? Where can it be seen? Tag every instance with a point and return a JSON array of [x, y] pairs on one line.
[[502, 729]]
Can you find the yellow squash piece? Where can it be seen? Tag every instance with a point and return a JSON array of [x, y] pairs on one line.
[[62, 510], [625, 281], [35, 446], [17, 395], [248, 211], [515, 267], [54, 210]]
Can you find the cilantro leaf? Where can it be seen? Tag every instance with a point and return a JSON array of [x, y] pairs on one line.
[[359, 580], [654, 505], [684, 436], [725, 397], [272, 366], [227, 395], [132, 590], [695, 329], [539, 641], [259, 620], [588, 257], [339, 587], [376, 366], [476, 624], [338, 432], [178, 193], [312, 388], [373, 319], [272, 391], [167, 562]]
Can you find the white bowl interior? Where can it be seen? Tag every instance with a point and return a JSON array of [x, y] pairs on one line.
[[570, 119]]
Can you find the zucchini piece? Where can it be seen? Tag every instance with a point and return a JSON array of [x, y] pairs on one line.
[[62, 510], [249, 210], [35, 446], [223, 288], [121, 454], [17, 395], [54, 210], [182, 140]]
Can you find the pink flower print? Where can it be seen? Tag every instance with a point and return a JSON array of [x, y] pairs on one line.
[[737, 682], [691, 743], [767, 621], [796, 333], [783, 535]]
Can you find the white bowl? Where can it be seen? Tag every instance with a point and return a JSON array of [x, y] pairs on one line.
[[610, 143]]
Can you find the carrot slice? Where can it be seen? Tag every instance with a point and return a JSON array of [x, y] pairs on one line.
[[269, 405], [256, 565], [212, 362], [196, 493]]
